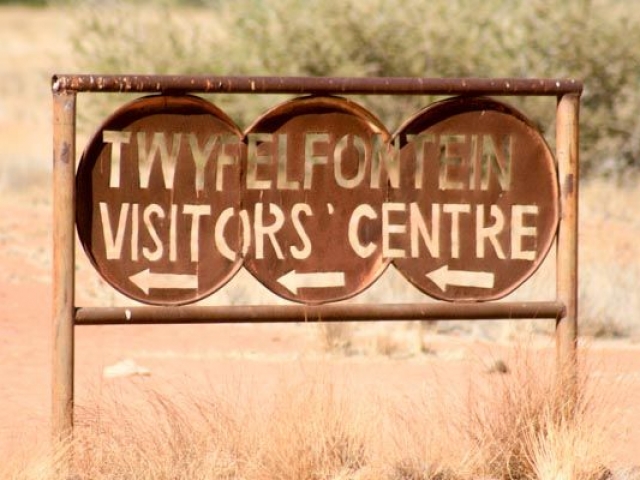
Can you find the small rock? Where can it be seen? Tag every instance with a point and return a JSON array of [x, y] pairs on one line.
[[125, 368], [499, 366]]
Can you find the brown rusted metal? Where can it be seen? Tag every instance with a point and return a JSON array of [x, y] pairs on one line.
[[567, 147], [310, 167], [478, 199], [315, 85], [158, 196], [64, 117], [318, 313]]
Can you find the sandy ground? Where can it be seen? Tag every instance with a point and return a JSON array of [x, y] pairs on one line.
[[194, 356], [257, 357]]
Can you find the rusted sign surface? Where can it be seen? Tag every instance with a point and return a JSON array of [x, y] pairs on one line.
[[477, 206], [316, 199], [313, 179], [155, 189]]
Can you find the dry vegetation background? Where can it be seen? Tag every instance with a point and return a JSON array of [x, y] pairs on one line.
[[392, 401]]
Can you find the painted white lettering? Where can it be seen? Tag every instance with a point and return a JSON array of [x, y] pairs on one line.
[[305, 251], [349, 146], [418, 228], [261, 230], [282, 182], [196, 211], [360, 249], [221, 243], [496, 160], [135, 227], [149, 212], [113, 244], [116, 139], [256, 156], [146, 157], [519, 230], [314, 142], [225, 159], [475, 164], [489, 232], [201, 156], [419, 142], [173, 234], [455, 209], [451, 161], [387, 155], [246, 231], [389, 228]]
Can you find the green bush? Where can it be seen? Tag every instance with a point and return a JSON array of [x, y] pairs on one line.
[[28, 3], [592, 40]]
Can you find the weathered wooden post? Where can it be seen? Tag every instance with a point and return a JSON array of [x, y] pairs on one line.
[[64, 118], [567, 146]]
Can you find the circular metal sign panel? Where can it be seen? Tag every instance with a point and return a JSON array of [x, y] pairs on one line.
[[157, 189], [478, 200], [312, 191]]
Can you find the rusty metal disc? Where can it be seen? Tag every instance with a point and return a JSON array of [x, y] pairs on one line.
[[158, 199], [313, 192], [479, 195]]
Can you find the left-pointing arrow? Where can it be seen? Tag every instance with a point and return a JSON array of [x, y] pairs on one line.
[[145, 280], [293, 280], [444, 277]]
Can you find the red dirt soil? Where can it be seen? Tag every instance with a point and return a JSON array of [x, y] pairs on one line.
[[191, 357]]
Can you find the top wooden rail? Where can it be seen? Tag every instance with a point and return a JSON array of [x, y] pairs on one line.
[[315, 85]]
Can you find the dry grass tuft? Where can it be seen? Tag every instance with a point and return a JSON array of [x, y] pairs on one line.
[[528, 425], [387, 345], [160, 436], [310, 430], [314, 431], [35, 462], [522, 424], [566, 451], [336, 337], [519, 425]]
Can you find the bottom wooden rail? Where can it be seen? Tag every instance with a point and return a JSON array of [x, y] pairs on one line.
[[140, 315]]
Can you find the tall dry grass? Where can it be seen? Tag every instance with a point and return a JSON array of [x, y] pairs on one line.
[[515, 423], [141, 433], [506, 426], [536, 422]]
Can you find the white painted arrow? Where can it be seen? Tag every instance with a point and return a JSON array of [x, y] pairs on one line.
[[444, 277], [293, 280], [145, 280]]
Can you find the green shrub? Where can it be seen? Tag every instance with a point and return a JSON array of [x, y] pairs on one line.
[[592, 40], [28, 3]]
